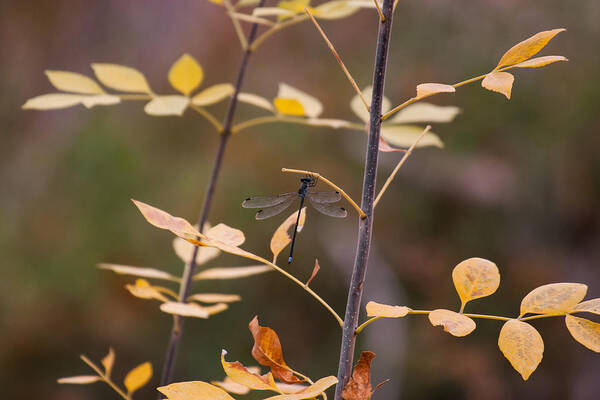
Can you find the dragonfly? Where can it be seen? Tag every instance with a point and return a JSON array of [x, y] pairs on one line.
[[323, 202]]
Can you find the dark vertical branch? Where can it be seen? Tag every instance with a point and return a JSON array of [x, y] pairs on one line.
[[188, 273], [368, 197]]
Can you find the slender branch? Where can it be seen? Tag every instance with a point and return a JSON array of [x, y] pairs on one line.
[[543, 316], [236, 25], [477, 78], [211, 118], [276, 28], [365, 324], [104, 378], [337, 56], [402, 161], [381, 16], [188, 273], [328, 182], [368, 196]]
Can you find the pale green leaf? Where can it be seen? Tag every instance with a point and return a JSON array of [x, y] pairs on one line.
[[167, 105], [406, 135], [79, 380], [425, 113], [73, 82], [52, 101], [256, 101], [100, 100], [336, 9], [120, 77], [358, 107], [213, 94]]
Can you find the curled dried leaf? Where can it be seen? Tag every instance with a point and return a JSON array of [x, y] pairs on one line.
[[454, 323], [314, 273], [500, 82], [359, 385], [429, 89], [386, 311], [144, 290], [310, 392], [553, 298], [281, 238], [241, 375], [522, 345]]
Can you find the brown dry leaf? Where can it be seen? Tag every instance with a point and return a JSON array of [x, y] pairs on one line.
[[359, 385], [194, 390], [584, 331], [184, 309], [456, 324], [108, 361], [475, 278], [138, 271], [591, 306], [144, 290], [240, 374], [79, 380], [226, 234], [211, 298], [429, 89], [386, 311], [138, 377], [231, 272], [164, 220], [527, 48], [314, 272], [539, 62], [267, 351], [553, 298], [310, 392], [522, 345], [281, 238], [500, 82]]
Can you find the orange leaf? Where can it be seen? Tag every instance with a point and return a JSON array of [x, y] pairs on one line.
[[138, 377], [500, 82], [540, 62], [386, 311], [429, 89], [522, 345], [314, 272], [267, 351], [281, 238], [527, 48], [240, 374], [359, 385], [164, 220]]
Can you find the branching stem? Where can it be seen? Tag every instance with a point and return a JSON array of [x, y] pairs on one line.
[[276, 28], [105, 378]]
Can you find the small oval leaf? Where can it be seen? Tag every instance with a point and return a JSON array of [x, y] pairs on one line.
[[213, 94], [539, 62], [186, 74], [475, 278], [120, 77], [79, 380], [194, 390], [289, 106], [553, 298], [161, 106], [522, 345], [500, 82], [52, 101], [138, 377], [425, 113], [73, 82], [591, 306], [386, 311], [454, 323], [429, 89], [405, 135], [184, 309], [527, 48], [584, 331], [231, 272]]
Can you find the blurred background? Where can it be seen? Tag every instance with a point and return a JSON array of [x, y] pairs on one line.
[[517, 183]]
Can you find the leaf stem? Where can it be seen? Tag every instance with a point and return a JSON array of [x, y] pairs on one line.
[[543, 316], [276, 28], [365, 225], [328, 182], [402, 161], [381, 16], [134, 96], [337, 56], [211, 118], [104, 378], [236, 25]]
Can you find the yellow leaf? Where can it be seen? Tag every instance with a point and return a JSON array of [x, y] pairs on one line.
[[527, 48], [475, 278], [358, 107], [52, 101], [425, 112], [383, 310], [138, 377], [164, 220], [271, 11], [522, 345], [144, 290], [288, 106], [311, 106], [539, 62], [553, 298], [108, 361], [120, 77], [214, 298], [591, 306], [296, 6], [79, 380], [184, 309], [194, 390], [216, 308], [281, 238], [584, 331], [186, 74], [500, 82], [138, 271], [405, 136], [312, 391], [336, 9], [213, 94], [231, 272], [185, 251], [454, 323], [429, 89], [100, 100], [167, 105], [329, 122], [226, 234], [73, 82], [239, 374], [256, 100]]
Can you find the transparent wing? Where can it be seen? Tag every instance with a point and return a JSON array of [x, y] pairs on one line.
[[324, 197], [267, 201], [268, 212], [330, 209]]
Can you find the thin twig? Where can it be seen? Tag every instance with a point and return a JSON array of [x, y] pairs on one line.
[[381, 16], [209, 117], [236, 24], [337, 56], [104, 378], [328, 182], [276, 28], [402, 161]]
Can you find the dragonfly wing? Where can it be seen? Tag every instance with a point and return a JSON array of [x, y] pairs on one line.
[[324, 197], [268, 212], [330, 209], [267, 201]]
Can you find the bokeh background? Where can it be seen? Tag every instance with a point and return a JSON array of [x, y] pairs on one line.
[[518, 183]]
